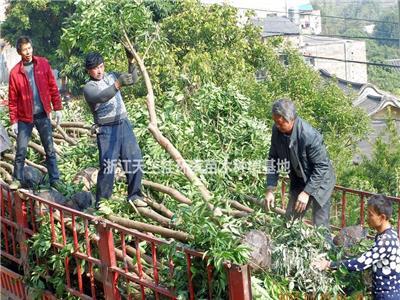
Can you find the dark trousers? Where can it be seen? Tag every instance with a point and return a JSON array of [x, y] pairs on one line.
[[43, 125], [320, 215], [117, 141]]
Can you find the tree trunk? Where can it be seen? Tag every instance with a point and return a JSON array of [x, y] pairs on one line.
[[132, 252], [260, 202], [128, 260], [8, 166], [36, 146], [75, 130]]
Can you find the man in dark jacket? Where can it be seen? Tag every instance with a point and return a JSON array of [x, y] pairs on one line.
[[33, 93], [115, 137], [311, 174]]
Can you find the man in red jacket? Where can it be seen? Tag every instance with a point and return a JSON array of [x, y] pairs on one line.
[[33, 93]]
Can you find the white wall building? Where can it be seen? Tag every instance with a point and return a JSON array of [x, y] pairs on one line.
[[300, 12], [343, 51], [8, 59], [3, 6], [310, 21]]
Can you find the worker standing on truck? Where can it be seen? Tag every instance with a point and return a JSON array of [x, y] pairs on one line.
[[33, 94], [115, 137], [311, 174], [383, 257]]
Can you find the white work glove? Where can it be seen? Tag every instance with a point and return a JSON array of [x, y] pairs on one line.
[[58, 117], [301, 203], [14, 128], [269, 200]]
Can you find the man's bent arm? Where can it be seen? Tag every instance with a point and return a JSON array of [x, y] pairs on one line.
[[93, 95]]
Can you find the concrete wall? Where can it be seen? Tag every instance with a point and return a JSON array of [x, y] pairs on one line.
[[310, 22], [340, 49], [8, 59]]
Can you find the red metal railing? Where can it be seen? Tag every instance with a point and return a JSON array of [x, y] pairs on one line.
[[357, 196], [107, 261], [12, 282], [362, 196]]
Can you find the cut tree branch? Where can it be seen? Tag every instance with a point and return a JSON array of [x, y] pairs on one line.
[[153, 128], [75, 125], [39, 149], [159, 207], [6, 165], [11, 157], [165, 232], [63, 133], [4, 174], [173, 193]]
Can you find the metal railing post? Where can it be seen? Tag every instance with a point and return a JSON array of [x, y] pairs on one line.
[[344, 203], [107, 257], [22, 223], [362, 209], [239, 282], [283, 193]]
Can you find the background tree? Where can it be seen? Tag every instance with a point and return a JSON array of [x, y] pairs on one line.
[[389, 28], [197, 46], [42, 21], [381, 171]]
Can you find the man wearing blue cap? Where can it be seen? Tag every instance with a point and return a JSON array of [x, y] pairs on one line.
[[115, 137]]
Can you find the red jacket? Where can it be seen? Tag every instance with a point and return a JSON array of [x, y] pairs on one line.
[[20, 95]]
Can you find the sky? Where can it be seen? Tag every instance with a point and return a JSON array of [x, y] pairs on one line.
[[260, 4]]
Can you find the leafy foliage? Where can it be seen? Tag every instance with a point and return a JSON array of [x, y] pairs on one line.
[[49, 274], [388, 29], [97, 25], [381, 171], [210, 105], [295, 246], [27, 18]]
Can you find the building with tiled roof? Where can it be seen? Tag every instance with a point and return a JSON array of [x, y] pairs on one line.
[[375, 103], [394, 62]]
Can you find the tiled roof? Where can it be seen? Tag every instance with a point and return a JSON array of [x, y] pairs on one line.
[[372, 100], [367, 96], [274, 26], [394, 62]]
